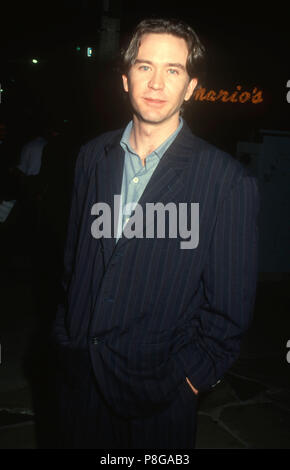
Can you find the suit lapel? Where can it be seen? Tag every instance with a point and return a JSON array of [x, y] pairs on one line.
[[164, 185], [109, 174], [166, 182]]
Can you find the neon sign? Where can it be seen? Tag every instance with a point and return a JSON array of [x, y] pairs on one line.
[[238, 96]]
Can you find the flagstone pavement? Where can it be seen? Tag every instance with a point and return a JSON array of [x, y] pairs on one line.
[[248, 409]]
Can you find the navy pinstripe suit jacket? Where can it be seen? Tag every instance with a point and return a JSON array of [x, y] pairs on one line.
[[149, 312]]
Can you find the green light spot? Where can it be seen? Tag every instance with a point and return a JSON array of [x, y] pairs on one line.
[[34, 61], [78, 48]]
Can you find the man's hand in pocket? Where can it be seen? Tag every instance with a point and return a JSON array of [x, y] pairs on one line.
[[191, 386]]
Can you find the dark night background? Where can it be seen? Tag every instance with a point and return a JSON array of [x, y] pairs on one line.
[[247, 44]]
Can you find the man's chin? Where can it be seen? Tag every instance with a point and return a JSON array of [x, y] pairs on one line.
[[152, 119]]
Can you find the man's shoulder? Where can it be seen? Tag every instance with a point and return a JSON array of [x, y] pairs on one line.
[[101, 141], [106, 138], [93, 150], [215, 167], [213, 158]]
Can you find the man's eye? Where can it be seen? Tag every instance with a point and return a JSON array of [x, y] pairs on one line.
[[173, 72], [144, 67]]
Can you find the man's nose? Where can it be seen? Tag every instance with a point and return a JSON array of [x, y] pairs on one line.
[[156, 81]]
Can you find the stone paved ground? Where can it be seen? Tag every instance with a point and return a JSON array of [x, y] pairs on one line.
[[249, 408]]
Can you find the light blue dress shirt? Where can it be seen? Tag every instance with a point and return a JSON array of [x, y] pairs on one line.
[[135, 175]]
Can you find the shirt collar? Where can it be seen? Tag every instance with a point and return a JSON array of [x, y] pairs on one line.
[[125, 144]]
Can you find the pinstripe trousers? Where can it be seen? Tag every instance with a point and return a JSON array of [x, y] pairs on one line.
[[87, 422]]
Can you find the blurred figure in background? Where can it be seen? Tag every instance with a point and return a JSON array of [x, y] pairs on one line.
[[31, 155], [55, 181], [53, 193]]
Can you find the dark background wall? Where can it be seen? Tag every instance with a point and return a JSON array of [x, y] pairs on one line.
[[247, 45]]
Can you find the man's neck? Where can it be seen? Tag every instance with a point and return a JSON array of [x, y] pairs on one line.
[[145, 137]]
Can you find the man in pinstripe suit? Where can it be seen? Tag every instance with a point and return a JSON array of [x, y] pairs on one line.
[[146, 326]]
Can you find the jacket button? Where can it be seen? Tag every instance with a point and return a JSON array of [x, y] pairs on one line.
[[95, 340]]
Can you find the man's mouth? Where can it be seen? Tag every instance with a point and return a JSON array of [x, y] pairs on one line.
[[154, 102]]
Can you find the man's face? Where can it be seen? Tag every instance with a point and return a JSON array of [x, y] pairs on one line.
[[158, 82]]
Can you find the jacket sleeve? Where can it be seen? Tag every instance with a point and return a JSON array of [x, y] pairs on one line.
[[59, 333], [229, 281]]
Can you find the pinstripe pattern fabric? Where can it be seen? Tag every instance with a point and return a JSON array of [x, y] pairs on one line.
[[86, 421], [149, 312]]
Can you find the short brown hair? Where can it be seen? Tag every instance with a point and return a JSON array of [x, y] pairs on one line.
[[196, 51]]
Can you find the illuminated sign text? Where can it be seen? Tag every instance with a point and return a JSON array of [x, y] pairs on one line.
[[225, 96]]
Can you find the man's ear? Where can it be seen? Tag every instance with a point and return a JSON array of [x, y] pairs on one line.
[[190, 88], [125, 82]]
